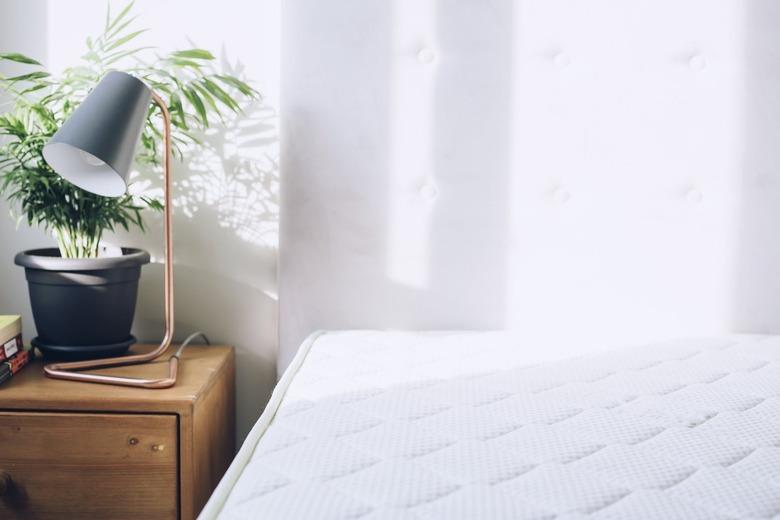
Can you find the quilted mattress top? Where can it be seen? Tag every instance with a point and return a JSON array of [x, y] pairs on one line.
[[380, 425]]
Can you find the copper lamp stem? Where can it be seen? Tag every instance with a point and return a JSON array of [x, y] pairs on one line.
[[71, 370]]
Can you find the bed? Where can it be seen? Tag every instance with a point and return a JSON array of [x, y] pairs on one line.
[[581, 175], [379, 425]]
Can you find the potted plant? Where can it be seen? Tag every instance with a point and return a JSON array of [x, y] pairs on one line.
[[83, 300]]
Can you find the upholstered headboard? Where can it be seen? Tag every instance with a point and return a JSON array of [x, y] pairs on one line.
[[583, 172]]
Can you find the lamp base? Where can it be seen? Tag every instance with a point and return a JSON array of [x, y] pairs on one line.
[[79, 352]]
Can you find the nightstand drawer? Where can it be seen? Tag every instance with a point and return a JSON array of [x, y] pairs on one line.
[[73, 465]]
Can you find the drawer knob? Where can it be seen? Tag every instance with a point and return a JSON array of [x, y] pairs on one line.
[[5, 483], [12, 494]]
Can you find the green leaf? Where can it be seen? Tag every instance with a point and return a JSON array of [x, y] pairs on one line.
[[192, 95], [111, 58], [220, 94], [118, 29], [18, 58], [29, 77], [177, 110], [236, 83], [108, 17], [185, 63], [121, 41], [206, 95], [112, 23], [197, 54]]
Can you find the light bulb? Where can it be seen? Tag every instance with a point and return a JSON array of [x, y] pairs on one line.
[[90, 159]]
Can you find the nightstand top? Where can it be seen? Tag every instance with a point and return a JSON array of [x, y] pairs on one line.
[[200, 365]]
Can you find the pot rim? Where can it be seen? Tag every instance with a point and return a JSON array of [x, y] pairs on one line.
[[49, 259]]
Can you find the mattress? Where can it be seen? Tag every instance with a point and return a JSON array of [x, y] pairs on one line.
[[381, 425]]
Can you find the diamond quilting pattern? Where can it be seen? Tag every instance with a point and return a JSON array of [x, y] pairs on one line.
[[393, 425], [763, 464], [609, 427], [715, 397], [764, 382], [414, 403], [723, 489], [768, 410], [251, 489], [668, 411], [401, 439], [656, 505], [330, 418], [472, 422], [743, 428], [320, 459], [301, 501], [692, 447], [635, 467], [541, 443], [396, 483], [482, 501], [477, 462], [565, 489]]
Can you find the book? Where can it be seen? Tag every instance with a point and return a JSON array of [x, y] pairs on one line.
[[13, 356], [13, 365], [9, 348], [10, 327]]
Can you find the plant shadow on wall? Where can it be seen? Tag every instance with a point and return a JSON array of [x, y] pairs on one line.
[[226, 214], [225, 222]]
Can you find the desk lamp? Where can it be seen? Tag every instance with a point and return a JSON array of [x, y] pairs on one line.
[[94, 150]]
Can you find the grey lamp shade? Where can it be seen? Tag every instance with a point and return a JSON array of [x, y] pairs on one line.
[[94, 148]]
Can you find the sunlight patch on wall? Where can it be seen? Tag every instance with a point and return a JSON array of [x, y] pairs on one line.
[[412, 190]]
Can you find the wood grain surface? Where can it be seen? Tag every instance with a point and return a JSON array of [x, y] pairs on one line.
[[67, 445]]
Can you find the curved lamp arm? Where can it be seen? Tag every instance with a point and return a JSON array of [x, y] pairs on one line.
[[71, 370]]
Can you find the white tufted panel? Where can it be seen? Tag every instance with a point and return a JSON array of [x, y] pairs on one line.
[[580, 172]]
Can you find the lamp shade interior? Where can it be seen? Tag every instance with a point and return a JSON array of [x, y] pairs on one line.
[[94, 148], [84, 170]]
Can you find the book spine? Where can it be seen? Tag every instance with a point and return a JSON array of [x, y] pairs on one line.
[[13, 365], [16, 363], [11, 347]]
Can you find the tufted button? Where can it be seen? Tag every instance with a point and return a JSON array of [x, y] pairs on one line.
[[429, 191], [426, 55], [697, 62], [560, 196], [561, 60], [694, 196]]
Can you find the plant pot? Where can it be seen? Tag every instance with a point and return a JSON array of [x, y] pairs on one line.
[[83, 308]]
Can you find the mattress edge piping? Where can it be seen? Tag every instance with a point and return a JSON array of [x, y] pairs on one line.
[[218, 498]]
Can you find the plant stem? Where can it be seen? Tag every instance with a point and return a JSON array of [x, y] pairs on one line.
[[74, 242]]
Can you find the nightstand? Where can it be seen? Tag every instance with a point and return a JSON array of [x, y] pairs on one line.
[[81, 450]]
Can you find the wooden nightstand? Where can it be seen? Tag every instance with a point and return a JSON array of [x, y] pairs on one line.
[[81, 450]]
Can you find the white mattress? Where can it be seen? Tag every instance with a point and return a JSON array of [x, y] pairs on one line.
[[378, 425]]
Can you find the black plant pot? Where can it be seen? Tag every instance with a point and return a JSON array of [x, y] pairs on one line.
[[83, 308]]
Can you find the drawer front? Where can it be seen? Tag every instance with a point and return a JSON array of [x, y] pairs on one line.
[[108, 466]]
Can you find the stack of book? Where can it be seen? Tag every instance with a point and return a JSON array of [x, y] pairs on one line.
[[13, 356]]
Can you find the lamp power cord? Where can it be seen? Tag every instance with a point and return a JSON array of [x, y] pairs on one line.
[[188, 340]]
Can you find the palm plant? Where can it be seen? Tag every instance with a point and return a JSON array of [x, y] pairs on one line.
[[40, 102]]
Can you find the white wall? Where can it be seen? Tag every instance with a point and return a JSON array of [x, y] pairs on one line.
[[226, 200], [585, 174]]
